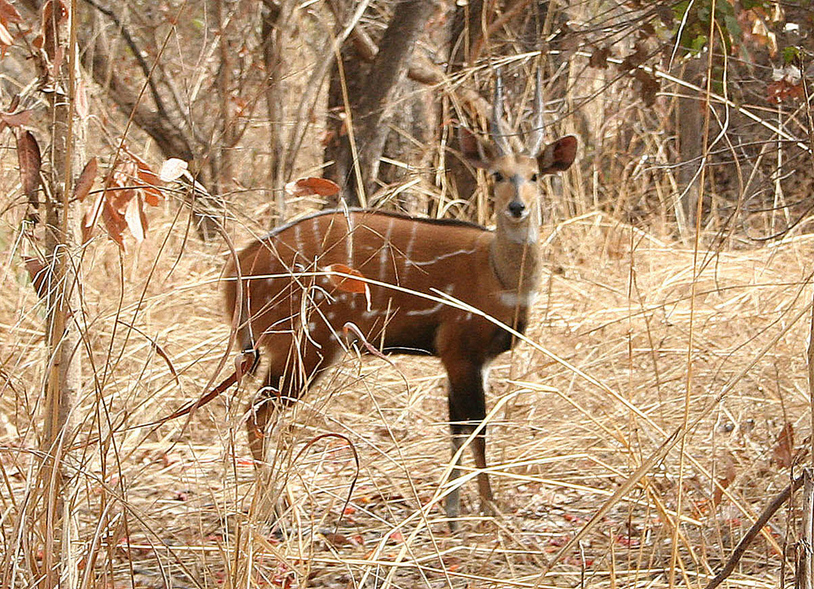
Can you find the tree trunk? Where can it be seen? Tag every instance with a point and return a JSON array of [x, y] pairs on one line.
[[347, 77], [63, 319], [371, 107], [466, 30], [271, 33], [690, 130]]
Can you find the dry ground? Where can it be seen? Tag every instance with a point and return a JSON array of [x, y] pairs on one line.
[[174, 505]]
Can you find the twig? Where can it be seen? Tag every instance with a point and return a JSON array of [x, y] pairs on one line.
[[764, 518], [137, 54]]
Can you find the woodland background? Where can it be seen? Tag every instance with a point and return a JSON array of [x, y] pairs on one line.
[[662, 400]]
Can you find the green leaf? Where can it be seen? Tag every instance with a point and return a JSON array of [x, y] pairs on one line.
[[791, 54], [698, 44]]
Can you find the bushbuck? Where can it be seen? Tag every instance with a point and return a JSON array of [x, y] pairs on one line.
[[299, 294]]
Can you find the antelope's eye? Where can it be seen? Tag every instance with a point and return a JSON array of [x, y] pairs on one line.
[[497, 176], [534, 177]]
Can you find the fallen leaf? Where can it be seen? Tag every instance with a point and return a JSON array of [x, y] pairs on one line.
[[5, 37], [599, 58], [336, 539], [28, 157], [312, 186], [172, 169], [39, 274], [783, 452], [85, 181], [134, 218], [724, 481], [8, 13], [17, 119], [346, 283]]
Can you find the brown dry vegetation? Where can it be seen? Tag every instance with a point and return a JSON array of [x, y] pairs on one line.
[[637, 336], [619, 308]]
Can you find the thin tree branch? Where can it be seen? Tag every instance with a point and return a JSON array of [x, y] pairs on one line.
[[137, 53], [764, 518]]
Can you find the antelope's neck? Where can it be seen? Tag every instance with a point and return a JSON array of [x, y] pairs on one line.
[[516, 255]]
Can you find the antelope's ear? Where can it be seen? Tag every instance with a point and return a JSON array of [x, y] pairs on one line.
[[475, 151], [558, 156]]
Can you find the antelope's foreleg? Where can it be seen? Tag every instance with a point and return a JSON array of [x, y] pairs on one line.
[[467, 409]]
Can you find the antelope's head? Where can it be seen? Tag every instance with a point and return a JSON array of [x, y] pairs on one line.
[[515, 176]]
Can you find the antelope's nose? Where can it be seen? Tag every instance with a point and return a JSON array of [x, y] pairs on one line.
[[517, 208]]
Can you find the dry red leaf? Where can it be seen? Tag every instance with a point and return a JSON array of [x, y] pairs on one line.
[[336, 539], [8, 13], [30, 161], [397, 536], [346, 283], [85, 181], [39, 274], [13, 120], [146, 179], [311, 187], [783, 452], [119, 198], [114, 222], [784, 89]]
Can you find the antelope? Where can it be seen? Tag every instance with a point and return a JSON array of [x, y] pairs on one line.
[[294, 310]]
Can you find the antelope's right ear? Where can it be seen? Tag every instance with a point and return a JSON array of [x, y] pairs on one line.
[[475, 151], [558, 156]]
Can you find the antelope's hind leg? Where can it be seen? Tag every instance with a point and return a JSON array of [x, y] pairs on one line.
[[271, 445], [283, 385]]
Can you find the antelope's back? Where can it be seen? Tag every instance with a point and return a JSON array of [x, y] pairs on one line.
[[424, 256]]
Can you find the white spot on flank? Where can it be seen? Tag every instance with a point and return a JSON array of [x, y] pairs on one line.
[[435, 308], [298, 237], [422, 312], [409, 251], [315, 227], [443, 257]]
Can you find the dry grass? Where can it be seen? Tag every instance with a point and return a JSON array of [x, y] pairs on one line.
[[176, 505]]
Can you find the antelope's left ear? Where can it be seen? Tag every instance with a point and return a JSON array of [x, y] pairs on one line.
[[478, 153], [558, 156]]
